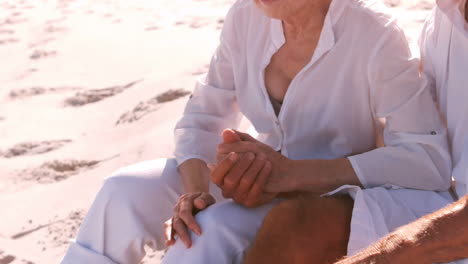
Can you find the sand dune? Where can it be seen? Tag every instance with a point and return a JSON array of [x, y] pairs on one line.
[[92, 85]]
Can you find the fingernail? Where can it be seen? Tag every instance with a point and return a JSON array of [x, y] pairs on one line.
[[211, 166], [233, 156]]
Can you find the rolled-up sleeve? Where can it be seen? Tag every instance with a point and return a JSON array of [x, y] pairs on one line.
[[416, 153], [212, 106]]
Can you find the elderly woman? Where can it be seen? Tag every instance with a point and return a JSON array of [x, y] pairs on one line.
[[317, 79]]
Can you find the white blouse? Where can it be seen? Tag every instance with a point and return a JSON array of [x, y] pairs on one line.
[[444, 51], [360, 74]]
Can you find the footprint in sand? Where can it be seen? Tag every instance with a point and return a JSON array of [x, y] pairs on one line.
[[11, 21], [33, 148], [60, 232], [95, 95], [57, 170], [26, 73], [55, 29], [151, 28], [8, 41], [144, 108], [5, 258], [40, 43], [37, 90], [424, 5], [7, 31], [392, 3], [39, 54]]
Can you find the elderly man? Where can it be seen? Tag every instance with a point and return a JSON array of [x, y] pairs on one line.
[[441, 236]]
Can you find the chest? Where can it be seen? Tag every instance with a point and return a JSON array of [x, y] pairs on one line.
[[285, 65]]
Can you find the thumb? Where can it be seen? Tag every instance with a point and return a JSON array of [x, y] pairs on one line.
[[229, 136], [203, 201]]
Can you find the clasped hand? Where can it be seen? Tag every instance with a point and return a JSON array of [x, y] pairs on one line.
[[248, 171]]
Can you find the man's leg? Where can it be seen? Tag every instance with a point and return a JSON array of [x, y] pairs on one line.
[[304, 230], [128, 212]]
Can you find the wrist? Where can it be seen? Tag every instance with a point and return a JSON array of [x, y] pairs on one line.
[[195, 176], [287, 168]]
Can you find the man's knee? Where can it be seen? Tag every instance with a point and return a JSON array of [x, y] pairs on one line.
[[308, 212], [310, 229]]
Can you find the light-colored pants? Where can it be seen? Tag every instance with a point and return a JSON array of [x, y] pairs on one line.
[[130, 210]]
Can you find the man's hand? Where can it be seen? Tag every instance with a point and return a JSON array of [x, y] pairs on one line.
[[436, 238], [184, 211]]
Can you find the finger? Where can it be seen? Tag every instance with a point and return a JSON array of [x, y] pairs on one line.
[[181, 229], [238, 147], [244, 136], [256, 191], [211, 166], [186, 215], [220, 157], [229, 136], [203, 201], [169, 233], [233, 177], [218, 174], [249, 177]]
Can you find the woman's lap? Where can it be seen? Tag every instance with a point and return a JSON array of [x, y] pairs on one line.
[[128, 212]]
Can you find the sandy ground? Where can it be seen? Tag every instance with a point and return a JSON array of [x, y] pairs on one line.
[[88, 86]]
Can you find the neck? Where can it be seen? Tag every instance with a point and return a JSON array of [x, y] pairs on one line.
[[309, 18], [466, 11]]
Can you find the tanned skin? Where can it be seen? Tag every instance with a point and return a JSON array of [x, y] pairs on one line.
[[436, 238]]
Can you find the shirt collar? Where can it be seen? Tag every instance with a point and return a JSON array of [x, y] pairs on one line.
[[454, 10], [327, 36]]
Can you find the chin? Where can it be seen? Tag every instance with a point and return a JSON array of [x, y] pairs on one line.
[[272, 12]]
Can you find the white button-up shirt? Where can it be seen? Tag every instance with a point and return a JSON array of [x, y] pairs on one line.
[[361, 73], [444, 51]]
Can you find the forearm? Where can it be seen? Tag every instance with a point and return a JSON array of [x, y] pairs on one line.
[[437, 238], [320, 176], [195, 176]]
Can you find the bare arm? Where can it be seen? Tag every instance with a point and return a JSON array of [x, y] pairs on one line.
[[333, 174], [436, 238], [291, 176], [195, 176]]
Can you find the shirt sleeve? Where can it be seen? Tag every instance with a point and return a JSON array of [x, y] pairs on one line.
[[213, 106], [415, 154]]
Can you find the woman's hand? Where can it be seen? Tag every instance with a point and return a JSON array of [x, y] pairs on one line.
[[277, 181], [186, 208]]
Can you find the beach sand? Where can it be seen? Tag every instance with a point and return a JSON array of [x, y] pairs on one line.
[[88, 86]]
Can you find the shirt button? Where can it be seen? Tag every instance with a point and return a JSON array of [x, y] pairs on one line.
[[433, 133]]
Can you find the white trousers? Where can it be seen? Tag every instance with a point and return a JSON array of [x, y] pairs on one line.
[[129, 211], [376, 212], [228, 230]]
